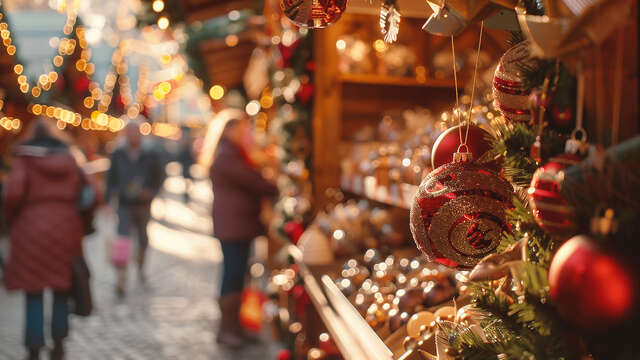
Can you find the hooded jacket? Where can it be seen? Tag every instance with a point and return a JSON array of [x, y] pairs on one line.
[[238, 191], [40, 207]]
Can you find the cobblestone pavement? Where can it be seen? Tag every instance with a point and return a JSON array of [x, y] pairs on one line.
[[174, 316]]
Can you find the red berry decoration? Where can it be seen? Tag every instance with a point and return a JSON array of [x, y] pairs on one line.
[[591, 288], [509, 93], [550, 209], [448, 142], [458, 214]]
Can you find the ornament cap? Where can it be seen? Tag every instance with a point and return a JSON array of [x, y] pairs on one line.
[[463, 156]]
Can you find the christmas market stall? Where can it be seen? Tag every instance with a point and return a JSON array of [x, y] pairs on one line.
[[473, 172]]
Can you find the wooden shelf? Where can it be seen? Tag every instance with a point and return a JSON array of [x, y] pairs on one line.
[[384, 80], [353, 336], [341, 332], [399, 195]]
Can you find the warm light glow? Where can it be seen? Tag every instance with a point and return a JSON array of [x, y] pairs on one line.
[[61, 124], [380, 45], [88, 102], [158, 5], [165, 87], [53, 76], [35, 91], [231, 40], [81, 65], [18, 69], [22, 79], [158, 94], [216, 92], [57, 60], [24, 88], [145, 128], [252, 107], [163, 22], [266, 101], [341, 44], [166, 58], [11, 49], [36, 109]]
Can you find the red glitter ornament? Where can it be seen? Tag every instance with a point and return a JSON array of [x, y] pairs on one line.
[[447, 144], [550, 209], [313, 13], [593, 290], [458, 216], [509, 93]]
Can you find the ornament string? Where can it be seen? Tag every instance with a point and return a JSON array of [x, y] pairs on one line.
[[473, 85], [617, 83], [463, 140]]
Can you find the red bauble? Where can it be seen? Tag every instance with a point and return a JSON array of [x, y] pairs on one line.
[[509, 93], [458, 214], [284, 354], [82, 85], [561, 117], [449, 141], [294, 230], [305, 94], [550, 209], [591, 288], [313, 13]]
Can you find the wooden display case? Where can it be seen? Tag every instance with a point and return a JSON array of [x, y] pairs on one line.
[[346, 101]]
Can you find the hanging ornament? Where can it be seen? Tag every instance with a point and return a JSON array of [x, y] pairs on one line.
[[592, 289], [550, 209], [458, 215], [448, 142], [445, 20], [509, 93], [389, 21], [315, 14]]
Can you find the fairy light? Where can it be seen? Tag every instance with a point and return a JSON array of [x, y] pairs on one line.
[[158, 5], [64, 117], [163, 23], [216, 92]]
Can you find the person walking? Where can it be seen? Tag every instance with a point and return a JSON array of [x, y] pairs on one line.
[[46, 229], [133, 180], [238, 190]]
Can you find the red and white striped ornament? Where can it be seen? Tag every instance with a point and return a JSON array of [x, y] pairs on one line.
[[550, 209], [510, 95], [458, 214]]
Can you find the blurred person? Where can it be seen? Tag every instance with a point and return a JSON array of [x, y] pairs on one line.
[[46, 228], [238, 190], [132, 181], [186, 159]]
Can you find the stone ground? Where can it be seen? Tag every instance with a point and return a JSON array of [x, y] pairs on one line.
[[173, 317]]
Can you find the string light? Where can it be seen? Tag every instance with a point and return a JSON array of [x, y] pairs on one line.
[[216, 92], [163, 23], [158, 6], [66, 46], [98, 121]]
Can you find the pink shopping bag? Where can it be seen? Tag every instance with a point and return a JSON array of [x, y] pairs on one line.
[[120, 251]]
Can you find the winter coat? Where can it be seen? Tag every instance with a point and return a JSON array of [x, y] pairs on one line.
[[41, 208], [127, 177], [238, 191]]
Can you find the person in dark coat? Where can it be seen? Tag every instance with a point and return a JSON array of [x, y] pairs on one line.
[[238, 190], [133, 179], [40, 207]]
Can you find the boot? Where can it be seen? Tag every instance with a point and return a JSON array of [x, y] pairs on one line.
[[33, 354], [228, 331], [58, 351]]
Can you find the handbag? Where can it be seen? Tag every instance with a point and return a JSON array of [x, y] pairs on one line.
[[120, 251], [81, 299], [87, 199]]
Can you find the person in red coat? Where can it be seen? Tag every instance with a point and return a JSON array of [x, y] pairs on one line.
[[238, 190], [46, 231]]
